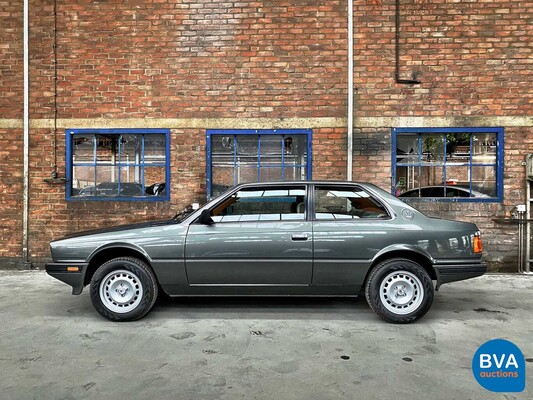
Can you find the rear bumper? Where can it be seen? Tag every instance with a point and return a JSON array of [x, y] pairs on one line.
[[74, 277], [459, 271]]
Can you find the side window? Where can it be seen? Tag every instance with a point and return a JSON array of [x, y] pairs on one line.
[[346, 203], [262, 205]]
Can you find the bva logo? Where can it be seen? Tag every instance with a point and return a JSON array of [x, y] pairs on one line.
[[499, 366]]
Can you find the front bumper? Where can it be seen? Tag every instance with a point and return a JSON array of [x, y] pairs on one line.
[[72, 273], [459, 271]]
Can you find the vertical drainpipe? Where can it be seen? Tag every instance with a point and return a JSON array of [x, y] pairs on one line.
[[26, 133], [349, 176]]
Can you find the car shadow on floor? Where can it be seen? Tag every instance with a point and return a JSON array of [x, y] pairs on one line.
[[263, 307]]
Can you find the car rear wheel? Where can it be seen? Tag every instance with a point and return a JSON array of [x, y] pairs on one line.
[[123, 289], [399, 291]]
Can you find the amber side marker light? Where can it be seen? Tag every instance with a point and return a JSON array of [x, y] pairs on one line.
[[77, 269], [478, 246]]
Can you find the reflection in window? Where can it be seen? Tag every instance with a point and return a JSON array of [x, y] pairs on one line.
[[240, 156], [255, 205], [451, 163], [346, 203], [117, 164]]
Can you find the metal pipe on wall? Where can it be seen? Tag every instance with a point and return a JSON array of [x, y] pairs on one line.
[[349, 162], [414, 80], [26, 133]]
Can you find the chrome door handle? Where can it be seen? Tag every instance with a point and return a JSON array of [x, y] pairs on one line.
[[299, 237]]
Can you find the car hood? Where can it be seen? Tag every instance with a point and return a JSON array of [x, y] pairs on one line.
[[119, 228]]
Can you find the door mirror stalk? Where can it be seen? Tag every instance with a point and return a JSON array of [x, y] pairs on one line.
[[205, 218]]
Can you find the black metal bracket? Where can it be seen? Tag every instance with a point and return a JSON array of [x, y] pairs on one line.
[[414, 80]]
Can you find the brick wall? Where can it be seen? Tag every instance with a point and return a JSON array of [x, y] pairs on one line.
[[190, 58], [11, 181], [250, 60], [11, 55], [329, 153], [11, 188], [472, 57]]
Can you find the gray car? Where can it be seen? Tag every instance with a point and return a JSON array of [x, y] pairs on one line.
[[275, 239]]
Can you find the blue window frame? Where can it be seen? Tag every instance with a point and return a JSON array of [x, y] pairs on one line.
[[118, 164], [448, 164], [250, 155]]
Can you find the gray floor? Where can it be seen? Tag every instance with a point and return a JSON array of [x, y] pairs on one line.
[[54, 346]]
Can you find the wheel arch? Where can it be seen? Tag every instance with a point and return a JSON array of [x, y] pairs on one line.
[[424, 260], [107, 253]]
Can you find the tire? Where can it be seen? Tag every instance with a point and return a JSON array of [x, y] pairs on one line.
[[123, 289], [399, 291]]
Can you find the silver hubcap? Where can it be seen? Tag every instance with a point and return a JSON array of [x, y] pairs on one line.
[[401, 292], [121, 291]]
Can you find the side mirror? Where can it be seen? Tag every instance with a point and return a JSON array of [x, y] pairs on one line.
[[205, 218]]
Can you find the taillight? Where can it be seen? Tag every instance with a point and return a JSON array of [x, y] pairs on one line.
[[478, 246]]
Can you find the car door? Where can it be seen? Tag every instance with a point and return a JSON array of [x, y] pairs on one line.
[[260, 236], [350, 227]]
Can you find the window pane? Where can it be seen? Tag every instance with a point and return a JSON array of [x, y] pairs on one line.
[[420, 181], [295, 149], [248, 145], [222, 163], [270, 146], [154, 149], [431, 176], [270, 173], [294, 173], [130, 189], [130, 174], [222, 145], [432, 148], [458, 175], [106, 188], [83, 149], [130, 149], [106, 173], [106, 148], [342, 203], [262, 205], [484, 149], [83, 181], [458, 147], [247, 171], [222, 178], [155, 181], [407, 179], [407, 149], [484, 180], [247, 159]]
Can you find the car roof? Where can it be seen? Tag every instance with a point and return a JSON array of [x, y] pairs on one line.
[[302, 182], [393, 203]]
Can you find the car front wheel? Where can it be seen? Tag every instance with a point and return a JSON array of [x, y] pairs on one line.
[[123, 289], [399, 291]]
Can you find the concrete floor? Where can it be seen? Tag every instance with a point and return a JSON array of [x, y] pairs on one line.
[[54, 346]]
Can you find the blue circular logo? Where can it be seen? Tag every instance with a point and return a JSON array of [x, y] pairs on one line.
[[499, 366]]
